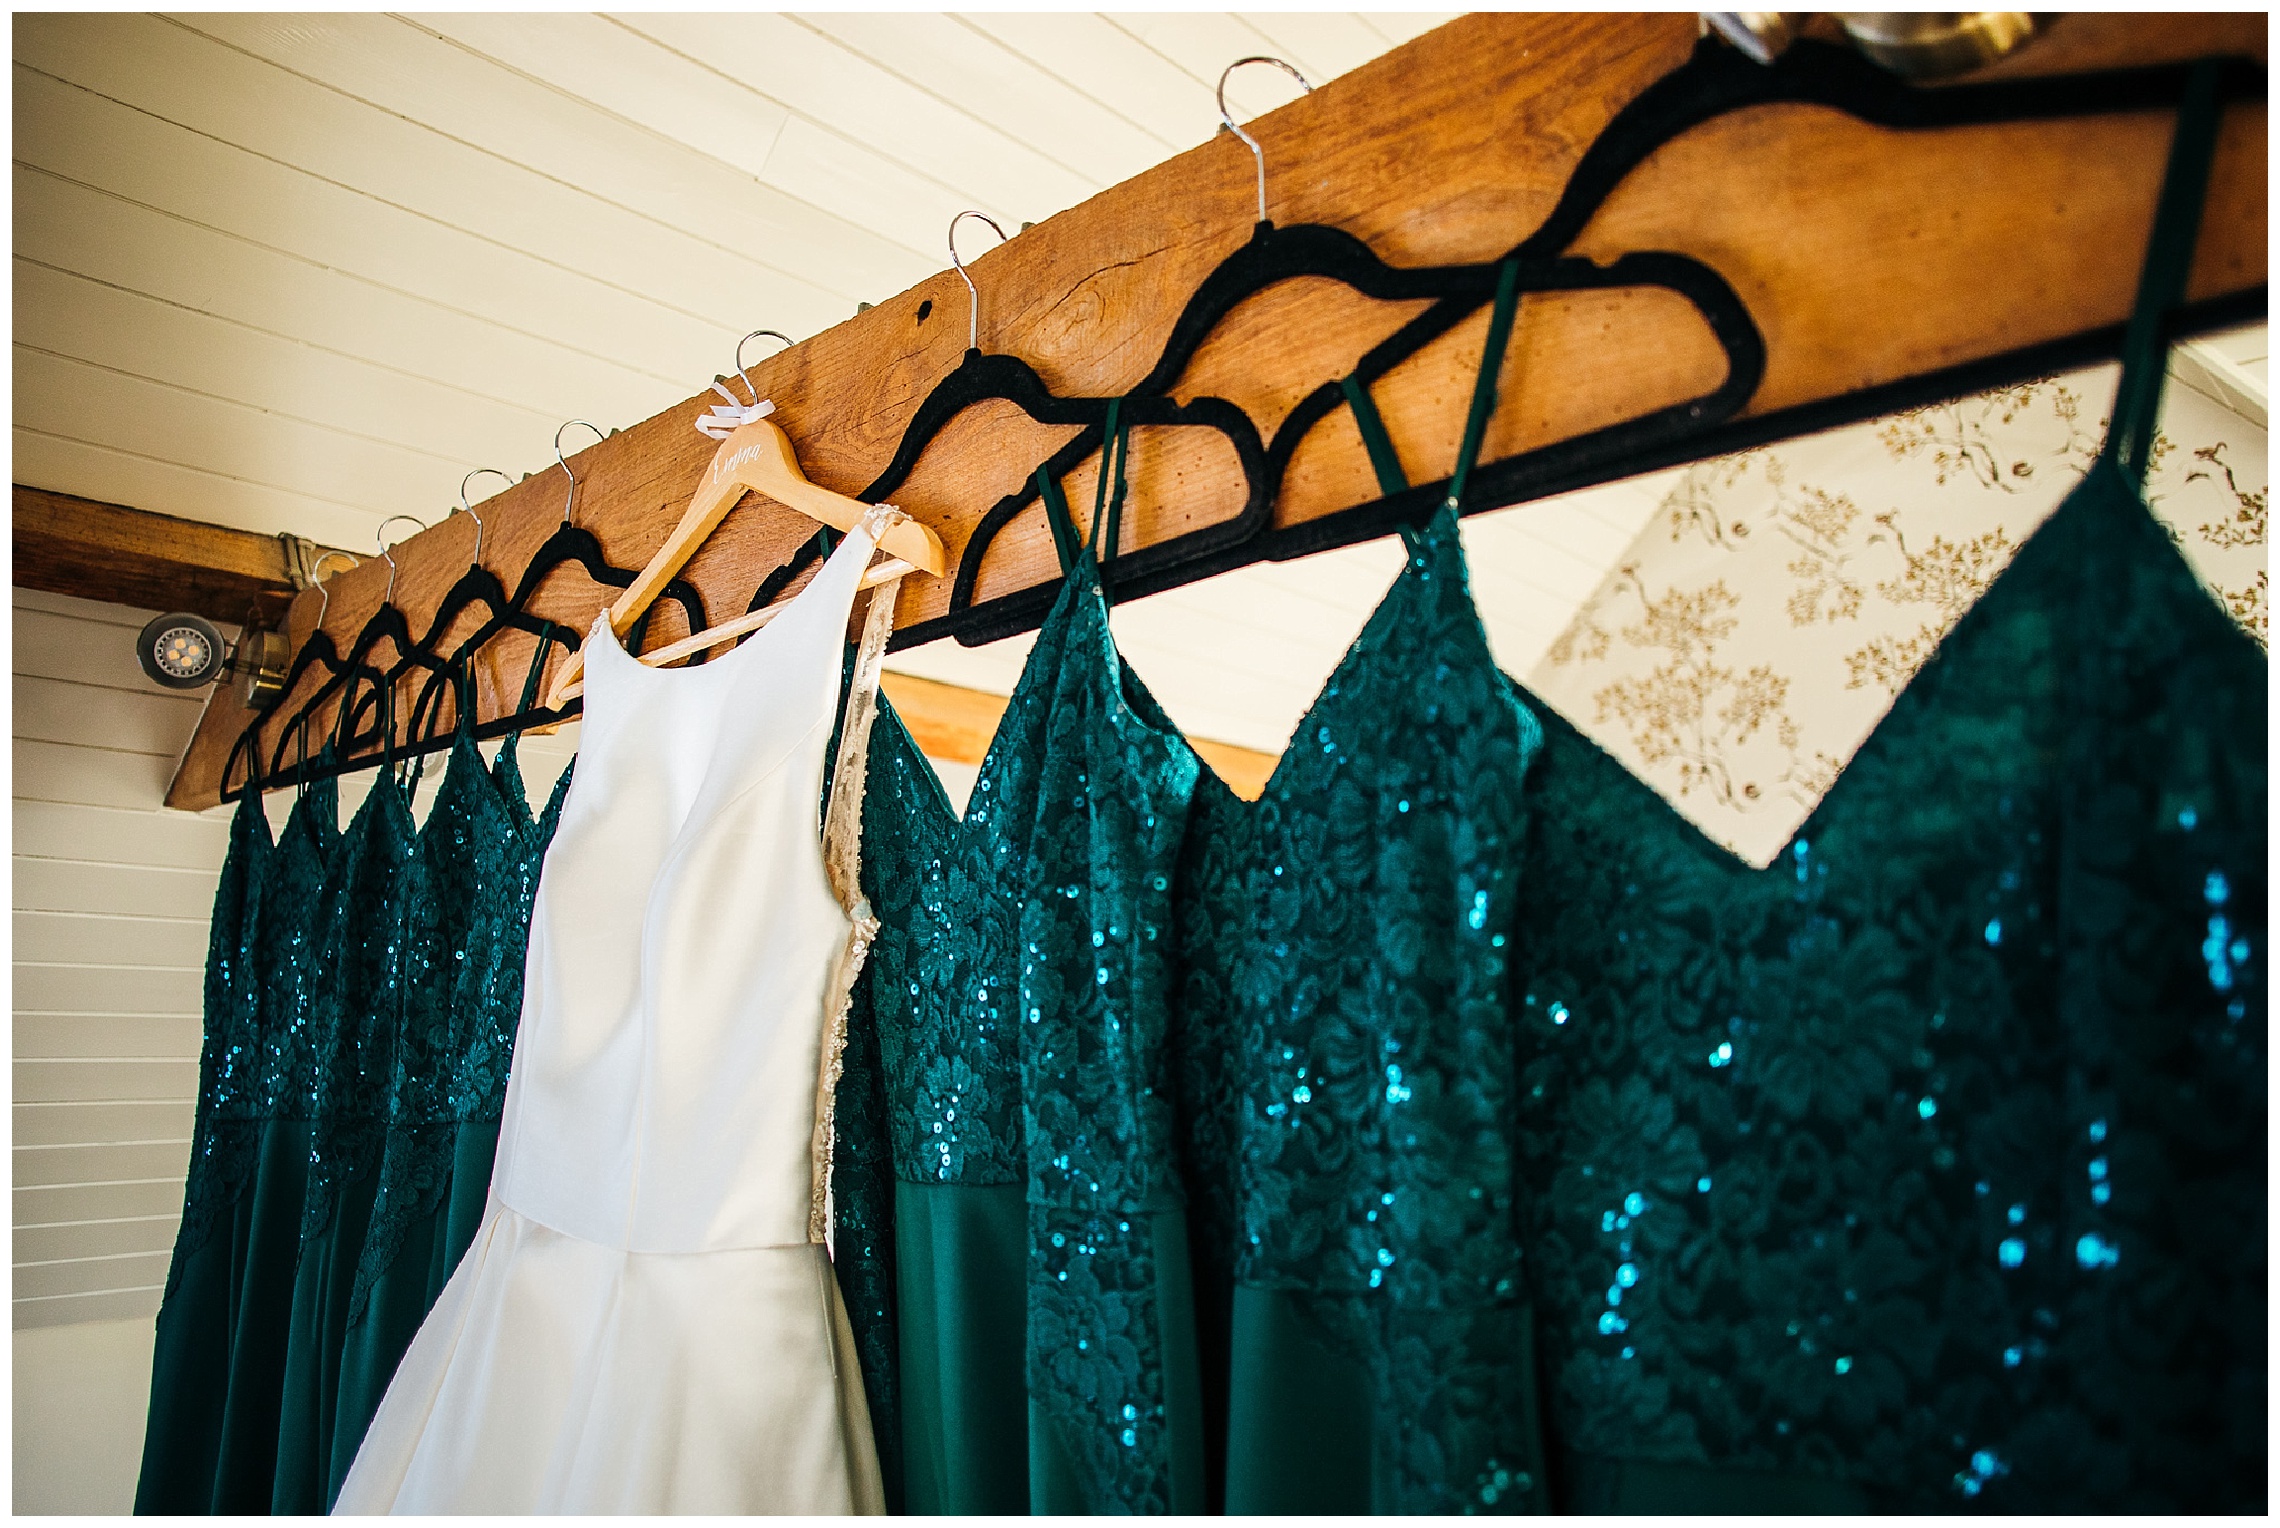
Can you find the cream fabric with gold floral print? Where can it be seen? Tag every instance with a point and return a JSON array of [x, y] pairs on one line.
[[1776, 603]]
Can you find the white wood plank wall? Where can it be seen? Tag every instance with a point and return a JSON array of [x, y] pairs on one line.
[[112, 897]]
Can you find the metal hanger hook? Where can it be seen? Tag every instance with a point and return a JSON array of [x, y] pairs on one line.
[[380, 537], [973, 298], [774, 334], [571, 495], [468, 509], [316, 576], [1258, 155]]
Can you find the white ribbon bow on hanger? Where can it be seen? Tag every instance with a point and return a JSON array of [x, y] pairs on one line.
[[730, 416]]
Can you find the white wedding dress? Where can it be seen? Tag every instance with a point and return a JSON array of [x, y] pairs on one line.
[[647, 1319]]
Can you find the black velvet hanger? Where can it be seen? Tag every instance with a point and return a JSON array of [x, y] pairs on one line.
[[363, 681], [1714, 81]]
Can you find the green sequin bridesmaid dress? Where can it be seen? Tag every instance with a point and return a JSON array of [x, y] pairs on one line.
[[480, 853], [938, 995], [1018, 993], [290, 934], [1115, 1384], [190, 1364], [1347, 1062], [361, 1010], [1925, 1169]]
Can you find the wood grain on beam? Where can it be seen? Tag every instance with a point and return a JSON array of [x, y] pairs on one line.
[[1867, 256], [96, 551], [953, 723]]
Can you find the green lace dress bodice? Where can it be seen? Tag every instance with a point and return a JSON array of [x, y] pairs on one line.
[[1112, 1345], [1347, 1067], [1018, 998], [267, 1214], [1915, 1166], [363, 1001], [479, 854], [1926, 1168], [930, 1109]]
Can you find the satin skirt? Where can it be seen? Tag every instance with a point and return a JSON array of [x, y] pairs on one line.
[[556, 1375]]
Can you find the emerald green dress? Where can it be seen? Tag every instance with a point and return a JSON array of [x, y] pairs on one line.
[[1045, 1351], [190, 1362], [479, 854], [1926, 1169], [1347, 1062], [361, 1010], [266, 1226]]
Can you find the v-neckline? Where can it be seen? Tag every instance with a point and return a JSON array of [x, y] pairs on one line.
[[1413, 566]]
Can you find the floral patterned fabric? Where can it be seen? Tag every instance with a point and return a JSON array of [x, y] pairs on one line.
[[1105, 826], [479, 854], [1778, 601]]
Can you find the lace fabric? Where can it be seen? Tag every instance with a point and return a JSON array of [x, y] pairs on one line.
[[478, 856], [943, 973], [1915, 1160], [1918, 1161], [229, 1063], [1105, 824], [842, 858], [1346, 1060], [291, 934], [1018, 994], [362, 999]]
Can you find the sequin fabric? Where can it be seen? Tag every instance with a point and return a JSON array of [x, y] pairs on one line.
[[943, 972], [285, 951], [478, 858], [479, 1079], [1931, 1159], [1112, 790], [226, 1132], [361, 998], [1346, 1056], [1019, 995]]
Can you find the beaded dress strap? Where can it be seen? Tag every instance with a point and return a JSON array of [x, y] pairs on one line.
[[842, 862]]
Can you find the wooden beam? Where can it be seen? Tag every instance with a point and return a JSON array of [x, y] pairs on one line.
[[953, 723], [95, 551], [1870, 259]]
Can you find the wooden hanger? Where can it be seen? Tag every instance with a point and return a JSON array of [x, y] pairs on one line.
[[754, 456], [728, 631]]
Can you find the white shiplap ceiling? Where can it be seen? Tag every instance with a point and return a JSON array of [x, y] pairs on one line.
[[301, 272]]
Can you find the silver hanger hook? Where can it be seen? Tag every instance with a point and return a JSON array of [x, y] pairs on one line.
[[316, 576], [773, 334], [468, 509], [380, 537], [572, 493], [1258, 155], [973, 298]]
